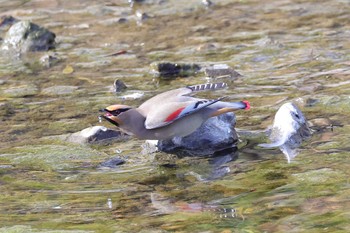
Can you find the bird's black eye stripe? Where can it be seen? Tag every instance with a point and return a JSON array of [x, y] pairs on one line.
[[118, 111]]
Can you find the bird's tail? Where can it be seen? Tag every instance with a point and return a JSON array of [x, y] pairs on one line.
[[208, 86]]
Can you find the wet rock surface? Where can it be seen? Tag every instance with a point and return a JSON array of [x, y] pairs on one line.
[[216, 134], [21, 91], [119, 86], [26, 36], [95, 134], [7, 21], [112, 163]]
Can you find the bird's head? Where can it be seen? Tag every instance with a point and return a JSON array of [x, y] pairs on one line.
[[111, 113]]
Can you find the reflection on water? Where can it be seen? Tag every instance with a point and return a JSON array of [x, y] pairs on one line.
[[286, 51]]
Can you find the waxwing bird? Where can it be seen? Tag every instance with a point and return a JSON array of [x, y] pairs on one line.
[[170, 114]]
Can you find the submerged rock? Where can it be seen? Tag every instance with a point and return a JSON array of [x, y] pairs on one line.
[[171, 70], [25, 36], [21, 91], [289, 130], [95, 134], [51, 157], [216, 134], [112, 163]]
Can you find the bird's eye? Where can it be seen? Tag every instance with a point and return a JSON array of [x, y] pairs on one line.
[[115, 112], [297, 115], [118, 111]]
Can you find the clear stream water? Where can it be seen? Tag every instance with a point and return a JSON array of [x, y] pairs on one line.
[[285, 50]]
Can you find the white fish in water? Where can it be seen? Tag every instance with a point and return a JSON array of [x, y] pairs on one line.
[[289, 130]]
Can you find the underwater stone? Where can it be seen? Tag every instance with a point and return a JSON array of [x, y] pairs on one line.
[[112, 163], [21, 91], [216, 134], [25, 36]]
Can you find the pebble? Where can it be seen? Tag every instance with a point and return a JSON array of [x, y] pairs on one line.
[[25, 36]]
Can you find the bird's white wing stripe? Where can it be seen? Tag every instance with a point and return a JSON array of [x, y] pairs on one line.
[[208, 86], [197, 106]]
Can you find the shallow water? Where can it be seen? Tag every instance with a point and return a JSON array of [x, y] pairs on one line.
[[285, 51]]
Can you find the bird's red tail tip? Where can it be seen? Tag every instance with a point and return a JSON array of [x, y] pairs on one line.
[[247, 104]]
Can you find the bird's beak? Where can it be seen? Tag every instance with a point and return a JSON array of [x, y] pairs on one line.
[[239, 105], [109, 117], [232, 107]]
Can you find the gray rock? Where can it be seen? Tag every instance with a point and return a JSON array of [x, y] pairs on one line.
[[168, 70], [95, 134], [25, 36], [216, 134], [21, 91], [7, 20], [119, 86], [112, 163]]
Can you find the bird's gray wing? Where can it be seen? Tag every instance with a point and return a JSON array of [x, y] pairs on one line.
[[177, 95], [173, 111]]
